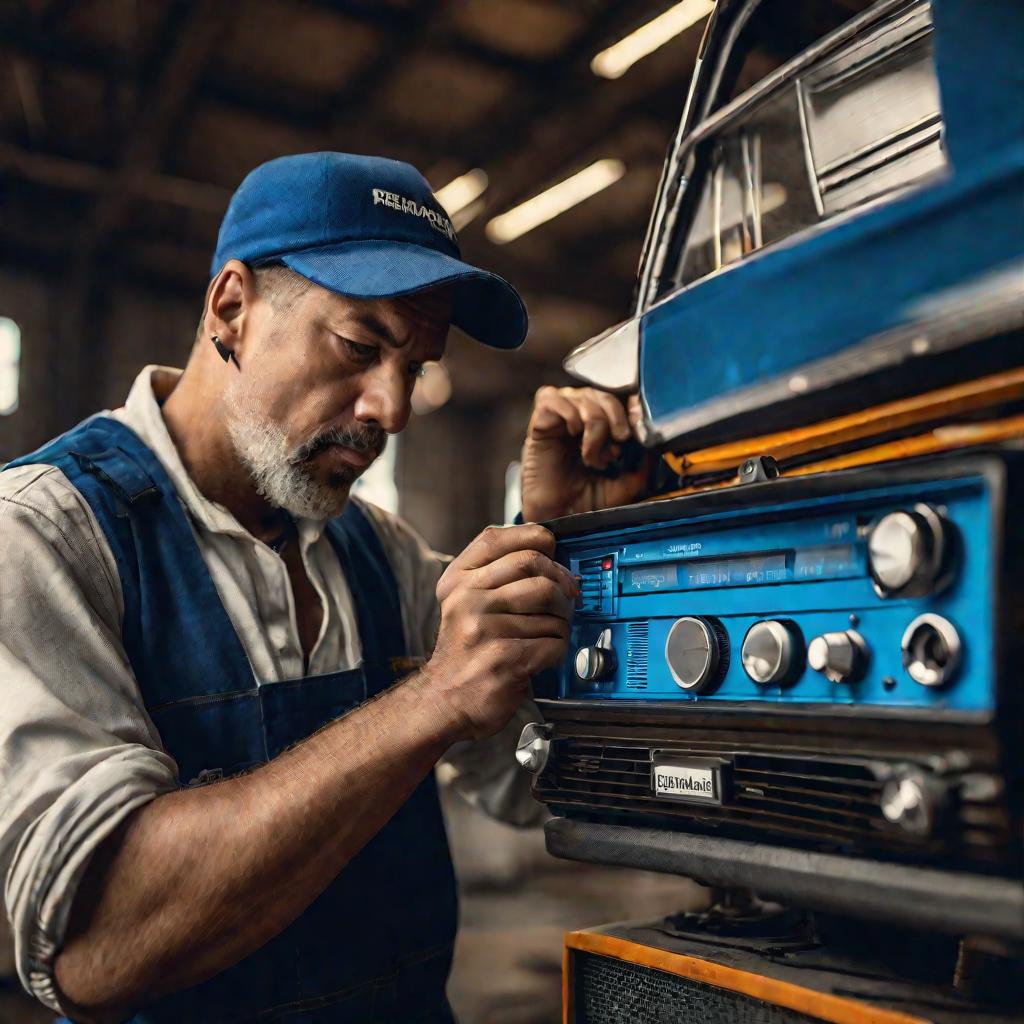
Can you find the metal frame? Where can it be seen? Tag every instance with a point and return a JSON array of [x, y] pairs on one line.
[[923, 897]]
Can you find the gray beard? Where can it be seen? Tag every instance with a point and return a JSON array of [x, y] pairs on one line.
[[281, 474]]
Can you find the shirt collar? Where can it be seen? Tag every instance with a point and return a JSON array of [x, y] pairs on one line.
[[142, 414]]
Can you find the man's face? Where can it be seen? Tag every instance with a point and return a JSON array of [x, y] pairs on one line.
[[324, 379]]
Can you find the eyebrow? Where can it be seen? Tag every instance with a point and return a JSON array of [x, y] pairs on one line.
[[375, 327]]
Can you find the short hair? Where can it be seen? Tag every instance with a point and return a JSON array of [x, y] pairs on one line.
[[281, 286]]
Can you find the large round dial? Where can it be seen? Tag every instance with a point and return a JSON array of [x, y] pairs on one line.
[[697, 652], [772, 652], [909, 552]]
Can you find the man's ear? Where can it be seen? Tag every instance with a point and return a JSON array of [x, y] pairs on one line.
[[229, 302]]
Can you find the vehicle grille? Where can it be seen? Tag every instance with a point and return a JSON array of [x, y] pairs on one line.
[[828, 801], [609, 991]]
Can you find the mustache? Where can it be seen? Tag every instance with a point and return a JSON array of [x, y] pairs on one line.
[[358, 437]]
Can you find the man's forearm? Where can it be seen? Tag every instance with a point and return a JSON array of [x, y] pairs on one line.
[[200, 878]]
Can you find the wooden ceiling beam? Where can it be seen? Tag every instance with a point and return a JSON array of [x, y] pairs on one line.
[[79, 176], [168, 83], [163, 100]]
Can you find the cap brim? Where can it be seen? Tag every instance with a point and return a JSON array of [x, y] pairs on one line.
[[484, 305]]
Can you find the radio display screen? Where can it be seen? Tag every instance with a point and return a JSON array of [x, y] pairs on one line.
[[706, 572]]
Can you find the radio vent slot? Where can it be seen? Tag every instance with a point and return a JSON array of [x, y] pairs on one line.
[[592, 587], [637, 634]]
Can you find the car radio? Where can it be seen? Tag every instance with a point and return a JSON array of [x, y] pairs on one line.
[[798, 670], [848, 600], [827, 664]]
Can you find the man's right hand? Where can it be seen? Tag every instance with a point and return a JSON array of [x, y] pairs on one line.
[[201, 877], [505, 613]]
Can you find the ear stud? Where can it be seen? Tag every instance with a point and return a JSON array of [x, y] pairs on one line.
[[222, 350]]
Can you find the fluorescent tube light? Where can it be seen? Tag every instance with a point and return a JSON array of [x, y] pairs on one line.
[[461, 191], [555, 200], [618, 59]]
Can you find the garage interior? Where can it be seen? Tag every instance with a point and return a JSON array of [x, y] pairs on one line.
[[126, 124]]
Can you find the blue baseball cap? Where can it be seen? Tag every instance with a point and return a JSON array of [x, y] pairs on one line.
[[368, 228]]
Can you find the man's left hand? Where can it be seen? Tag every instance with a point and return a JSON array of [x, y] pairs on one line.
[[574, 434]]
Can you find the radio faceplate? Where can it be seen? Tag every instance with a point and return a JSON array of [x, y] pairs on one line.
[[872, 595]]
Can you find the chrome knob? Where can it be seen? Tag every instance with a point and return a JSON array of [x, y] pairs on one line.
[[697, 652], [596, 662], [914, 801], [931, 650], [909, 552], [534, 747], [772, 652], [840, 657]]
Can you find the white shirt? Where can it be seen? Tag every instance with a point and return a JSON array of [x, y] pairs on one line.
[[78, 752]]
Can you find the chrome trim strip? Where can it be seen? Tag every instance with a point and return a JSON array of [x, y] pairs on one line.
[[812, 173], [663, 225]]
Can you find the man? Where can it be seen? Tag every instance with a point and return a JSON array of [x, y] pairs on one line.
[[218, 805]]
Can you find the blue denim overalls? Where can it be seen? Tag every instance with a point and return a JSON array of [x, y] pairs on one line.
[[376, 946]]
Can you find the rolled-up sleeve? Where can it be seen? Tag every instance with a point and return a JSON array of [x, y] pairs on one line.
[[484, 772], [78, 752]]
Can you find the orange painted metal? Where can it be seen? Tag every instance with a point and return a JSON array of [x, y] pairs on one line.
[[824, 1006], [941, 439], [568, 1010], [948, 438], [943, 403]]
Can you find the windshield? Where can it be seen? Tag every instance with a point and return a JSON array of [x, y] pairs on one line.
[[861, 123]]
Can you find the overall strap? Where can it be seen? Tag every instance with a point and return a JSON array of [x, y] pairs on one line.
[[373, 585], [177, 635]]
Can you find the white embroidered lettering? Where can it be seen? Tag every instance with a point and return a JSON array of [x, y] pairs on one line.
[[403, 204]]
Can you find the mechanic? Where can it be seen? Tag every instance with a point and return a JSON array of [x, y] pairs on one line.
[[217, 802]]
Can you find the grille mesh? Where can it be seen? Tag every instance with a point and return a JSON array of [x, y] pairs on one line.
[[830, 800], [609, 991]]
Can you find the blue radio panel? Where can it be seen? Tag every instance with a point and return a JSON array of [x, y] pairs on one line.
[[838, 579]]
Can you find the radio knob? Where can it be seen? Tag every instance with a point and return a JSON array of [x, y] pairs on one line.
[[909, 552], [931, 650], [534, 747], [772, 652], [914, 801], [596, 662], [697, 652], [840, 657]]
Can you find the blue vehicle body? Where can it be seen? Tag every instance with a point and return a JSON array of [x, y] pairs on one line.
[[870, 299]]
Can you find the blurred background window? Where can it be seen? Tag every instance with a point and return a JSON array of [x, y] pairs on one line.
[[513, 490], [10, 365], [378, 484]]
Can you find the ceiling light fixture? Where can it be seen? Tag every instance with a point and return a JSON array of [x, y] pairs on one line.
[[618, 59], [555, 200], [462, 191]]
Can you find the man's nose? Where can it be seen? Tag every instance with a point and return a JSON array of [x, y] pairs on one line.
[[384, 400]]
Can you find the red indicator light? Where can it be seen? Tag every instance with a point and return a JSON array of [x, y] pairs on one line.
[[606, 563]]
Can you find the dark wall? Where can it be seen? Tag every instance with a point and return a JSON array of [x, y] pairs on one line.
[[451, 466]]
